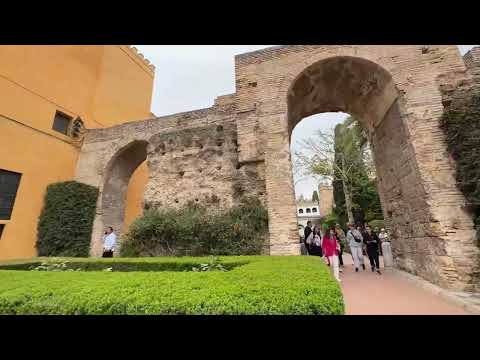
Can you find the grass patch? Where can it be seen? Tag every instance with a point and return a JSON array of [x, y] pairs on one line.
[[254, 285]]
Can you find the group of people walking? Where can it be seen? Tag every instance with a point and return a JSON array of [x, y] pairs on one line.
[[332, 243]]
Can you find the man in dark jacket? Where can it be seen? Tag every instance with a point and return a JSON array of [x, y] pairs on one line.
[[371, 240], [308, 230]]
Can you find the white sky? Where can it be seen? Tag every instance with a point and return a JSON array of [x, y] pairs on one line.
[[190, 77]]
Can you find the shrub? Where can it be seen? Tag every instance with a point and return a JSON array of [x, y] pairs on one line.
[[151, 264], [65, 224], [377, 224], [262, 285], [195, 230], [330, 220]]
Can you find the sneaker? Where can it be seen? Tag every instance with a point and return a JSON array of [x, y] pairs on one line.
[[340, 270], [378, 272], [356, 269]]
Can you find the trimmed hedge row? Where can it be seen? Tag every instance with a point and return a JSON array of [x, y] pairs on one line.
[[263, 285], [65, 224], [124, 265]]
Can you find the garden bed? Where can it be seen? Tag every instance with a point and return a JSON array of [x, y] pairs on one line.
[[252, 285]]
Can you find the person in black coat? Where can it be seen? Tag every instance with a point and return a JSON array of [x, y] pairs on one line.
[[372, 241], [308, 230], [316, 245]]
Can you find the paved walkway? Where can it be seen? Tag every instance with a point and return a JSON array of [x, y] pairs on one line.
[[367, 293]]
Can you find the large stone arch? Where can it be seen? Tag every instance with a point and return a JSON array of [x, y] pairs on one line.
[[433, 233], [118, 172]]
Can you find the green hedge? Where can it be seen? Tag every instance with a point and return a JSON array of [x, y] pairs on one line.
[[65, 224], [377, 224], [123, 265], [461, 123], [263, 285], [195, 230]]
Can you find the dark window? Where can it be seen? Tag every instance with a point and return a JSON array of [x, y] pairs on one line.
[[314, 210], [61, 123], [1, 230], [9, 182], [308, 211], [300, 211]]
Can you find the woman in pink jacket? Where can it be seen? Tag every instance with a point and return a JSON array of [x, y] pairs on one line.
[[330, 247]]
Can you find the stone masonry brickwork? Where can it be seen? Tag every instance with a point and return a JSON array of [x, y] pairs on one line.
[[325, 196], [241, 146]]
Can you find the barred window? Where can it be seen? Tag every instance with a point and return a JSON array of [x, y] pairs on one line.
[[61, 122], [9, 182]]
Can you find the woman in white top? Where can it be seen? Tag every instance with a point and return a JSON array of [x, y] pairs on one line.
[[383, 236]]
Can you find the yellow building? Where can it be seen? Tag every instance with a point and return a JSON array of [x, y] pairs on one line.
[[44, 92]]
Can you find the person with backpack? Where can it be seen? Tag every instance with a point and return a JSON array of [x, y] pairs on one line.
[[307, 233], [316, 243], [355, 242]]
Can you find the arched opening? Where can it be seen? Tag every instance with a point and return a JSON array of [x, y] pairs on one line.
[[342, 84], [366, 91], [117, 179], [135, 195]]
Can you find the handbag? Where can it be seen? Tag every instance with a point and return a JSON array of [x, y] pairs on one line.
[[356, 238], [309, 238]]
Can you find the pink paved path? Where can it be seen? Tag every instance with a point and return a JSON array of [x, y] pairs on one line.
[[367, 293]]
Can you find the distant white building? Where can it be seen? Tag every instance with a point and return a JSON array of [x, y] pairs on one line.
[[308, 210]]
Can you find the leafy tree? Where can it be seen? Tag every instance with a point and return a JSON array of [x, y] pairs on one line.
[[343, 157]]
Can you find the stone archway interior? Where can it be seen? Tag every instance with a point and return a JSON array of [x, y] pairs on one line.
[[347, 84], [367, 92]]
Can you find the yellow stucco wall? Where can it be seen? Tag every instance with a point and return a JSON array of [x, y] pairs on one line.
[[104, 85], [136, 187]]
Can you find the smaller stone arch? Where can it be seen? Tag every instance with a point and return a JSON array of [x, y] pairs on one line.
[[117, 176]]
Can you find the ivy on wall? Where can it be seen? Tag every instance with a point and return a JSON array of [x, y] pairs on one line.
[[461, 123], [65, 224]]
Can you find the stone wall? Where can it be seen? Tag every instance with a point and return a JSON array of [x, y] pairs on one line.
[[241, 146], [190, 156], [325, 195], [200, 165]]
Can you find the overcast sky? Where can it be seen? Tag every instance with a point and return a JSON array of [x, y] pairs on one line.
[[189, 77]]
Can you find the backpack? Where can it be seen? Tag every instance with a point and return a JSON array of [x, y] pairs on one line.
[[309, 238]]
